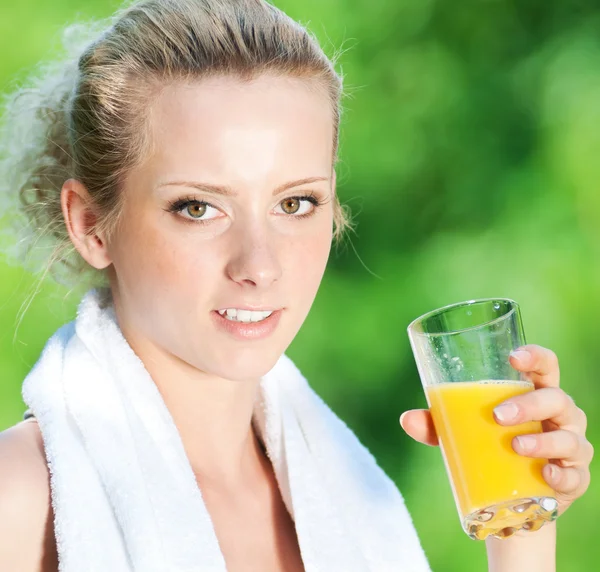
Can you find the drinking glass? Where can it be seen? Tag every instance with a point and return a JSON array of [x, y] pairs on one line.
[[462, 353]]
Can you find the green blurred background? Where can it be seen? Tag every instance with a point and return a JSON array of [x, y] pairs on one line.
[[470, 157]]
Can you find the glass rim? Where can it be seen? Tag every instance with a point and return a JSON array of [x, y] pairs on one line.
[[411, 327]]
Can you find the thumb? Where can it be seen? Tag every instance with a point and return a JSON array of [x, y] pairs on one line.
[[418, 424]]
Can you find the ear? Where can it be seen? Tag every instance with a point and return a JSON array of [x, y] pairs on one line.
[[80, 220]]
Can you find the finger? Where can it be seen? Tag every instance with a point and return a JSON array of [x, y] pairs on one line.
[[540, 364], [547, 403], [571, 449], [568, 481], [419, 425]]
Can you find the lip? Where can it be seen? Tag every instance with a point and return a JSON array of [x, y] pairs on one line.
[[251, 308], [249, 330]]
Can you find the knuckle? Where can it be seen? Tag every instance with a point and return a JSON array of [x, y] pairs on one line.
[[582, 417], [572, 481], [565, 399], [573, 442], [552, 359], [589, 450], [533, 398], [537, 354]]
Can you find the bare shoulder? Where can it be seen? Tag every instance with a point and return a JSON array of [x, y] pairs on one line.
[[26, 518]]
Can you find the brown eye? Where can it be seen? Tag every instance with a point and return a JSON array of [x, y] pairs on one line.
[[196, 210], [291, 205]]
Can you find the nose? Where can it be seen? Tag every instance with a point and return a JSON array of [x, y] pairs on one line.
[[255, 261]]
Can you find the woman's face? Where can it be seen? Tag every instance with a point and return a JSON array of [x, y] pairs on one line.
[[222, 216]]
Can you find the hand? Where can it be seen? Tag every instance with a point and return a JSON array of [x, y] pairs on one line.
[[564, 424]]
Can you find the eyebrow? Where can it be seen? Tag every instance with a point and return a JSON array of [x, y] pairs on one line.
[[229, 192]]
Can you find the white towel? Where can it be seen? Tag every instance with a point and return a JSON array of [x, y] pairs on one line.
[[123, 491]]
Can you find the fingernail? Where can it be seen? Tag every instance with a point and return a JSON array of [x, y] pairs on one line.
[[506, 412], [553, 472], [526, 442], [522, 356], [401, 417]]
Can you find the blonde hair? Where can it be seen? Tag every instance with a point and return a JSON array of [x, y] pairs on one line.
[[81, 116]]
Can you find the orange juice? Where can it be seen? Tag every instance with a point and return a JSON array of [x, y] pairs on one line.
[[484, 469]]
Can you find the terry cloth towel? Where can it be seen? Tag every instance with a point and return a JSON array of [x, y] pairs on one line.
[[124, 494]]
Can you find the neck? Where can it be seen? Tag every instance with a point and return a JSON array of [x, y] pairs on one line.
[[213, 417]]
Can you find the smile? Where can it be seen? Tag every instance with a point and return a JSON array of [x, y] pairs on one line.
[[255, 326], [236, 315]]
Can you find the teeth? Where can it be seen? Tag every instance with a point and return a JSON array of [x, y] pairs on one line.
[[236, 315]]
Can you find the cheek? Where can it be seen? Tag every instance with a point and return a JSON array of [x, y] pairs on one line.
[[166, 281], [309, 261], [154, 264]]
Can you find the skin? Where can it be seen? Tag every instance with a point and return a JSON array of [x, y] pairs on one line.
[[255, 137], [169, 271], [563, 441], [168, 274]]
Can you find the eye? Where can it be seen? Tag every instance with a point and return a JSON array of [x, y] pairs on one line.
[[193, 209], [293, 205], [196, 210]]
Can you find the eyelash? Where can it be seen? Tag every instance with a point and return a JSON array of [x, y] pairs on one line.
[[180, 204]]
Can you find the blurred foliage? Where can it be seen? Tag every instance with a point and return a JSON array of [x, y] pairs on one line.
[[469, 156]]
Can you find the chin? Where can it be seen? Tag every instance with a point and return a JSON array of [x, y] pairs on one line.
[[246, 366]]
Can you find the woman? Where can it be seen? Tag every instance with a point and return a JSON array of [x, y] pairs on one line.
[[186, 157]]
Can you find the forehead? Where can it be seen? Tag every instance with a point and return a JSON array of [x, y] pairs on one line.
[[246, 132]]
